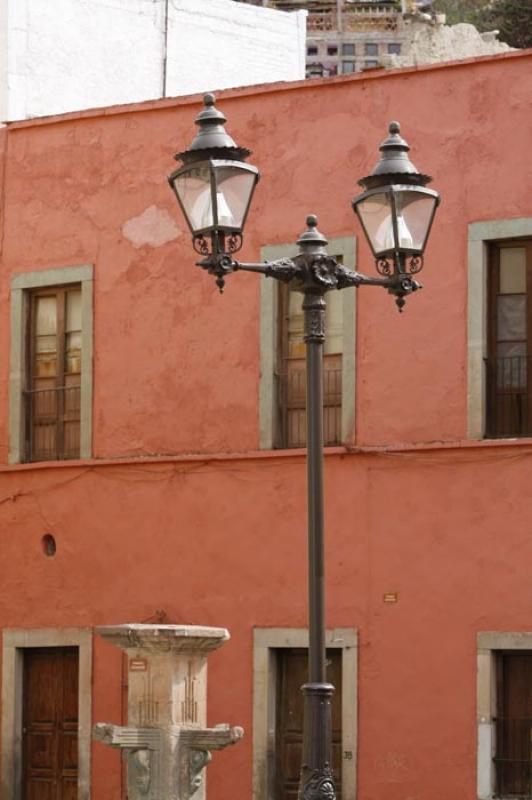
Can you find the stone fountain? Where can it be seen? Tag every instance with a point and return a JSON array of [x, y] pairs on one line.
[[166, 742]]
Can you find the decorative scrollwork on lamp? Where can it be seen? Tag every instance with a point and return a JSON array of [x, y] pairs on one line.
[[384, 267], [415, 265], [200, 244], [234, 242]]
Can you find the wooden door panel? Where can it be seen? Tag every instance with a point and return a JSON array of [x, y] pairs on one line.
[[69, 789], [40, 687], [50, 724], [292, 673], [41, 790], [70, 688], [70, 751], [41, 750]]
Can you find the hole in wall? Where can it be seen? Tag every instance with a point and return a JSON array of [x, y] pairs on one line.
[[49, 546]]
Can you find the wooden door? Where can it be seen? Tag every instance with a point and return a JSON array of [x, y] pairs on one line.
[[50, 724], [292, 673], [514, 724]]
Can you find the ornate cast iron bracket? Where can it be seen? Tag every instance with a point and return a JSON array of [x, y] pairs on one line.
[[320, 273]]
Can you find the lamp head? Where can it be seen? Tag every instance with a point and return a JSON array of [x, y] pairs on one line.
[[396, 209], [214, 186]]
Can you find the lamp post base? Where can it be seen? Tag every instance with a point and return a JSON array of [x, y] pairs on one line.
[[316, 781]]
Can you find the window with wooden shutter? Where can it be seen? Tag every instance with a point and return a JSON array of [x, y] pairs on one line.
[[291, 373], [53, 383], [513, 725], [508, 374]]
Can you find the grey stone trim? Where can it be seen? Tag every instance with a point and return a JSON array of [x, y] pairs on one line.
[[488, 643], [14, 642], [20, 284], [52, 277], [492, 230], [479, 236], [346, 247], [265, 642], [505, 640]]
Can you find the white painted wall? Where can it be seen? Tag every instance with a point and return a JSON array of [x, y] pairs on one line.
[[240, 44], [66, 55]]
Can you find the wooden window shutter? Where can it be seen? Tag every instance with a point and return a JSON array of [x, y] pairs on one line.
[[53, 375]]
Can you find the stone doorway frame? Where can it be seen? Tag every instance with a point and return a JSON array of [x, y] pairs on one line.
[[265, 642], [15, 640]]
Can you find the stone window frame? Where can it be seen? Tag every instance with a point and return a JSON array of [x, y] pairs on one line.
[[344, 246], [489, 643], [21, 285], [480, 235], [265, 642], [15, 640]]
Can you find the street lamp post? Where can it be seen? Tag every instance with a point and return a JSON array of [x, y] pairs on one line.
[[214, 188]]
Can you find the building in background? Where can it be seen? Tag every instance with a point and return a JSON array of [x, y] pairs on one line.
[[68, 55], [346, 36]]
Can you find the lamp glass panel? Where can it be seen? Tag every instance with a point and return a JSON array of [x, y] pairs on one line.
[[414, 215], [194, 190], [234, 187], [376, 215]]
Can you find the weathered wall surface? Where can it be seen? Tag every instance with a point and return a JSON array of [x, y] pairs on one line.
[[74, 54], [220, 540], [218, 44], [223, 542], [176, 365]]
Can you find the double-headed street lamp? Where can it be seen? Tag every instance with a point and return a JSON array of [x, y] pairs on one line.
[[214, 188]]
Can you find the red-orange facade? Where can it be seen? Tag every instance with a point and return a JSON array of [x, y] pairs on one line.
[[176, 507]]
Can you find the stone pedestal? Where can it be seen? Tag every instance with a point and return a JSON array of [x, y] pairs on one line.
[[166, 741]]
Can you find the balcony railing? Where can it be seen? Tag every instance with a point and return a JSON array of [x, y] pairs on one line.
[[513, 762], [508, 398], [328, 15], [53, 423], [292, 400], [354, 20]]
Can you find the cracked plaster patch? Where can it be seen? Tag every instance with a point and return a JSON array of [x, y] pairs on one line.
[[154, 227]]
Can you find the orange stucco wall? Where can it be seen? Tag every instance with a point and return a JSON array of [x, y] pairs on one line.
[[219, 537]]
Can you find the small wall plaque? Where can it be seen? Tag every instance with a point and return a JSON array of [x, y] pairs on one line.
[[137, 665], [391, 597]]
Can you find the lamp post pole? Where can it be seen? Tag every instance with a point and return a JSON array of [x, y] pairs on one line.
[[316, 769], [214, 188]]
